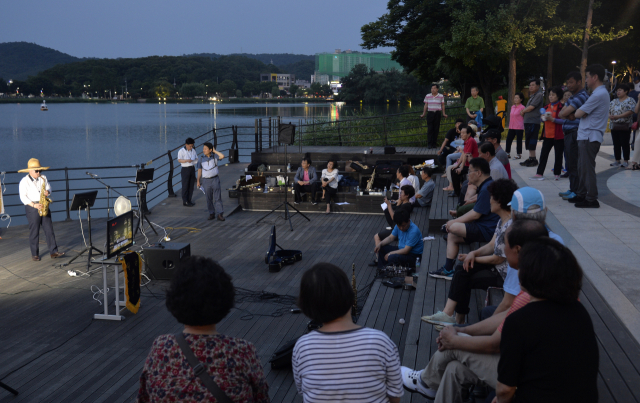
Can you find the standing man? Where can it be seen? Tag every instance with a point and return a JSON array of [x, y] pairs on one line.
[[188, 158], [30, 189], [208, 176], [434, 109], [593, 116], [475, 107], [531, 116], [570, 129]]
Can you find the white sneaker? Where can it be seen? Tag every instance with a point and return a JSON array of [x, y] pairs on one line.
[[411, 382], [624, 164], [615, 164], [439, 318]]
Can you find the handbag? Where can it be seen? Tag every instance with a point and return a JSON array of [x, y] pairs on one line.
[[620, 126], [634, 126], [201, 370]]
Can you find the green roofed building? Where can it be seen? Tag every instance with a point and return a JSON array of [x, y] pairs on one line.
[[339, 64]]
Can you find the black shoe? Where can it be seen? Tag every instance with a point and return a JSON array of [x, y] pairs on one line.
[[220, 217], [187, 204], [533, 163], [588, 204], [525, 162], [373, 264], [211, 216], [192, 203], [453, 194], [565, 175], [576, 199]]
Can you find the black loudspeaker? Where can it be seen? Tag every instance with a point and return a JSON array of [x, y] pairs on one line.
[[233, 156], [162, 260], [286, 133]]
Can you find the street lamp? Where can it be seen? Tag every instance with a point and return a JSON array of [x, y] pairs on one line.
[[613, 75]]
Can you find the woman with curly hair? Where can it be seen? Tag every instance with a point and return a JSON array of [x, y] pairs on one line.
[[481, 268], [201, 294]]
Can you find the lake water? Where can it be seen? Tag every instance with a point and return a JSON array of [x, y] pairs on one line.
[[118, 134]]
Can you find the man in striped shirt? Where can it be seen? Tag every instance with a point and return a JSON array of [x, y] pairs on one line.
[[470, 357], [434, 109], [570, 129]]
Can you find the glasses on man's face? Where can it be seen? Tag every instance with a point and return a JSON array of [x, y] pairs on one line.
[[37, 171]]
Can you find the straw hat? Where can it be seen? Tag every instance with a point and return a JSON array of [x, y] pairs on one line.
[[34, 164]]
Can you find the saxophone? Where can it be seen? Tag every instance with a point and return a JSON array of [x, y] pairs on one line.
[[44, 200], [370, 182]]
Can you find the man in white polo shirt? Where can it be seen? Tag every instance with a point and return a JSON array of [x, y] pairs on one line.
[[188, 158], [434, 109]]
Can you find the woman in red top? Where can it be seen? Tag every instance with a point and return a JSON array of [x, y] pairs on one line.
[[553, 135], [470, 151]]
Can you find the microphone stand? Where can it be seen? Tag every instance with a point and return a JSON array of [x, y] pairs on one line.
[[94, 176]]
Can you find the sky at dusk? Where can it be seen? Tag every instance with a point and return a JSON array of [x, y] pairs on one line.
[[137, 28]]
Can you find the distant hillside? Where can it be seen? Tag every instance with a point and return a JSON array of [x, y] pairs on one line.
[[19, 60], [301, 65]]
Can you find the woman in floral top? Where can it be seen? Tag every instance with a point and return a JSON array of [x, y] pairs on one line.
[[621, 117], [201, 295]]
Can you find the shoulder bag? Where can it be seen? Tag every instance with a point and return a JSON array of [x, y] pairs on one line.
[[201, 370]]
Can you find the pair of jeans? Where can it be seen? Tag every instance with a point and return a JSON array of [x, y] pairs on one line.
[[446, 151], [451, 158], [480, 276], [513, 133], [621, 146], [456, 179], [571, 155], [558, 146], [588, 187], [433, 126], [408, 260]]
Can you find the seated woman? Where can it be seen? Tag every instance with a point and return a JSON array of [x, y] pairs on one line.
[[393, 207], [341, 361], [553, 324], [329, 182], [201, 294], [484, 267]]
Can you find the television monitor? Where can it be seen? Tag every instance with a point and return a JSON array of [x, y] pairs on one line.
[[119, 234], [144, 175]]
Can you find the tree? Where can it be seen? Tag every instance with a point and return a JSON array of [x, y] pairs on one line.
[[162, 89], [192, 90], [275, 92], [293, 89], [238, 93], [228, 86], [250, 87]]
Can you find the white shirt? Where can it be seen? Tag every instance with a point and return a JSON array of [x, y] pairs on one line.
[[183, 154], [30, 189]]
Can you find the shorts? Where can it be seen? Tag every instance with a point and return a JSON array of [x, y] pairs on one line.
[[531, 132], [473, 233]]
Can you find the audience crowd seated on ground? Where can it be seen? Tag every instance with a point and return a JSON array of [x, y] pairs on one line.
[[410, 243], [201, 294], [462, 361], [329, 184], [493, 137], [478, 225], [425, 195], [488, 152], [481, 268], [402, 175], [447, 146], [553, 324], [305, 181], [341, 361], [393, 207], [461, 168]]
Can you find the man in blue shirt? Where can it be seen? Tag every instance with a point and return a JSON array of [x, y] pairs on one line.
[[570, 129], [410, 244], [593, 116]]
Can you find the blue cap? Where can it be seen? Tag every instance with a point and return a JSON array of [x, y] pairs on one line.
[[543, 111], [527, 200]]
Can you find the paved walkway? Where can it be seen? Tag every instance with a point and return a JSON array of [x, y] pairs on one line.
[[606, 241]]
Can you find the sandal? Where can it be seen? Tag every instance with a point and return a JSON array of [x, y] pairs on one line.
[[448, 189], [508, 155], [636, 167], [517, 157]]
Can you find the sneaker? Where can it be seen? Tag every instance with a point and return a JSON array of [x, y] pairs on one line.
[[411, 381], [441, 326], [614, 164], [533, 163], [525, 162], [562, 194], [439, 318], [588, 204], [295, 202], [624, 165], [315, 203], [565, 175], [517, 157], [537, 178], [557, 177], [571, 195], [442, 273]]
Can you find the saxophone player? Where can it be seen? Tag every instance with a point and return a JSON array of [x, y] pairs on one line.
[[30, 194]]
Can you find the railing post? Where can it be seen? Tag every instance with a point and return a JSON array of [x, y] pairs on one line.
[[384, 127], [66, 180], [260, 142], [339, 135], [256, 135], [215, 139], [313, 130], [270, 126], [170, 179], [233, 151], [143, 197]]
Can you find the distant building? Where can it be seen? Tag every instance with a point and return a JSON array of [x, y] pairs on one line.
[[333, 66], [303, 83], [283, 81]]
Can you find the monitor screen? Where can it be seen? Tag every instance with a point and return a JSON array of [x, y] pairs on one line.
[[119, 234]]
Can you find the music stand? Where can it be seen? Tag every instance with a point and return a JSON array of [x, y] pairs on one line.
[[286, 136], [143, 178], [85, 201]]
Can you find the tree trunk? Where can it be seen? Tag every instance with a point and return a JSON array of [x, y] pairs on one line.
[[550, 69], [585, 42], [512, 82], [485, 84]]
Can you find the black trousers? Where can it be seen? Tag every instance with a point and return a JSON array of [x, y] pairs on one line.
[[558, 146], [517, 134], [330, 193], [298, 188], [621, 145], [481, 276], [571, 148], [188, 182], [35, 222], [456, 178], [433, 125], [442, 158]]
